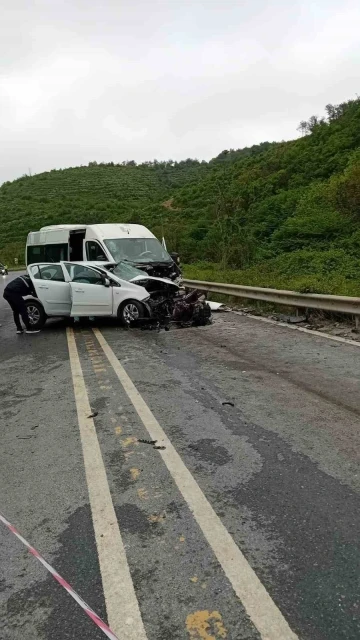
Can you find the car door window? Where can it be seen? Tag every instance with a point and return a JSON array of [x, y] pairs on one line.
[[51, 272], [81, 274], [94, 251], [35, 272]]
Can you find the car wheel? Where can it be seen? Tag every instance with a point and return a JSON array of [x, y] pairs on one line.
[[130, 311], [36, 313]]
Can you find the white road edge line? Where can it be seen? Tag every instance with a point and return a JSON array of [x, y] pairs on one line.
[[258, 604], [122, 607], [321, 334]]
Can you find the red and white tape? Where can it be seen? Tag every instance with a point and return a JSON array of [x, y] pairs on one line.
[[94, 617]]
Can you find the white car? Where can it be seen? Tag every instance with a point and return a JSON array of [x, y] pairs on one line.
[[74, 289]]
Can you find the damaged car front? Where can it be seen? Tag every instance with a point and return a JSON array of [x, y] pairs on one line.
[[147, 255], [167, 303]]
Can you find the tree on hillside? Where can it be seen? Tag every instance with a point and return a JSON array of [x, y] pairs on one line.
[[303, 127], [314, 122], [335, 111], [228, 240], [332, 111], [348, 192], [308, 126]]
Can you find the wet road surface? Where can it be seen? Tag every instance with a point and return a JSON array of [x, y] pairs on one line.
[[245, 526]]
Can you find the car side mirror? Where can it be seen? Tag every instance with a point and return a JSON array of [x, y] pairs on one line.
[[106, 282], [175, 257]]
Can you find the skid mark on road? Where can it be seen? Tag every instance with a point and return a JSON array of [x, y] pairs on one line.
[[258, 604], [121, 603]]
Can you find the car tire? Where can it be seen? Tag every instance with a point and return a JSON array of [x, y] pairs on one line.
[[37, 315], [130, 311]]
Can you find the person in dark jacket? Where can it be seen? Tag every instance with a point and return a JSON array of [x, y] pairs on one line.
[[14, 294]]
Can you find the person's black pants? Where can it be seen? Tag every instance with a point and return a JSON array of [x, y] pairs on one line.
[[18, 306]]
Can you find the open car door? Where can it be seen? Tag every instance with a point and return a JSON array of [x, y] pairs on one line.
[[49, 280], [89, 294]]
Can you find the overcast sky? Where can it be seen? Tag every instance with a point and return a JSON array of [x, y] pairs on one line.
[[113, 80]]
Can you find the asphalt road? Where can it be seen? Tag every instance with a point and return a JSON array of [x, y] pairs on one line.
[[245, 526]]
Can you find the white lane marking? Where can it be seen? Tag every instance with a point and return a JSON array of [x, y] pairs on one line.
[[321, 334], [122, 606], [259, 606]]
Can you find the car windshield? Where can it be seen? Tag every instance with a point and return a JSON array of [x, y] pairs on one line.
[[138, 250], [126, 271]]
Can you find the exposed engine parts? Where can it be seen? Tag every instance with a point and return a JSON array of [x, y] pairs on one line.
[[177, 309]]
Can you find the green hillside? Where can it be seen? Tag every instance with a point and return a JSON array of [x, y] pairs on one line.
[[277, 214], [287, 217], [96, 193]]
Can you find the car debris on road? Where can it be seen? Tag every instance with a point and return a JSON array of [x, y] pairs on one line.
[[181, 309], [218, 306]]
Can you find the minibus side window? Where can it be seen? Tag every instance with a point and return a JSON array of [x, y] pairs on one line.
[[56, 252], [35, 254], [95, 252], [47, 253]]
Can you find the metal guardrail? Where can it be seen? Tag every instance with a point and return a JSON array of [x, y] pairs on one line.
[[337, 304]]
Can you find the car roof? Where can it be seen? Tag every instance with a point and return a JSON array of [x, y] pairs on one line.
[[81, 263]]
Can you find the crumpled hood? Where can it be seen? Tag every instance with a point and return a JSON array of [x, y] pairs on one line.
[[139, 279]]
